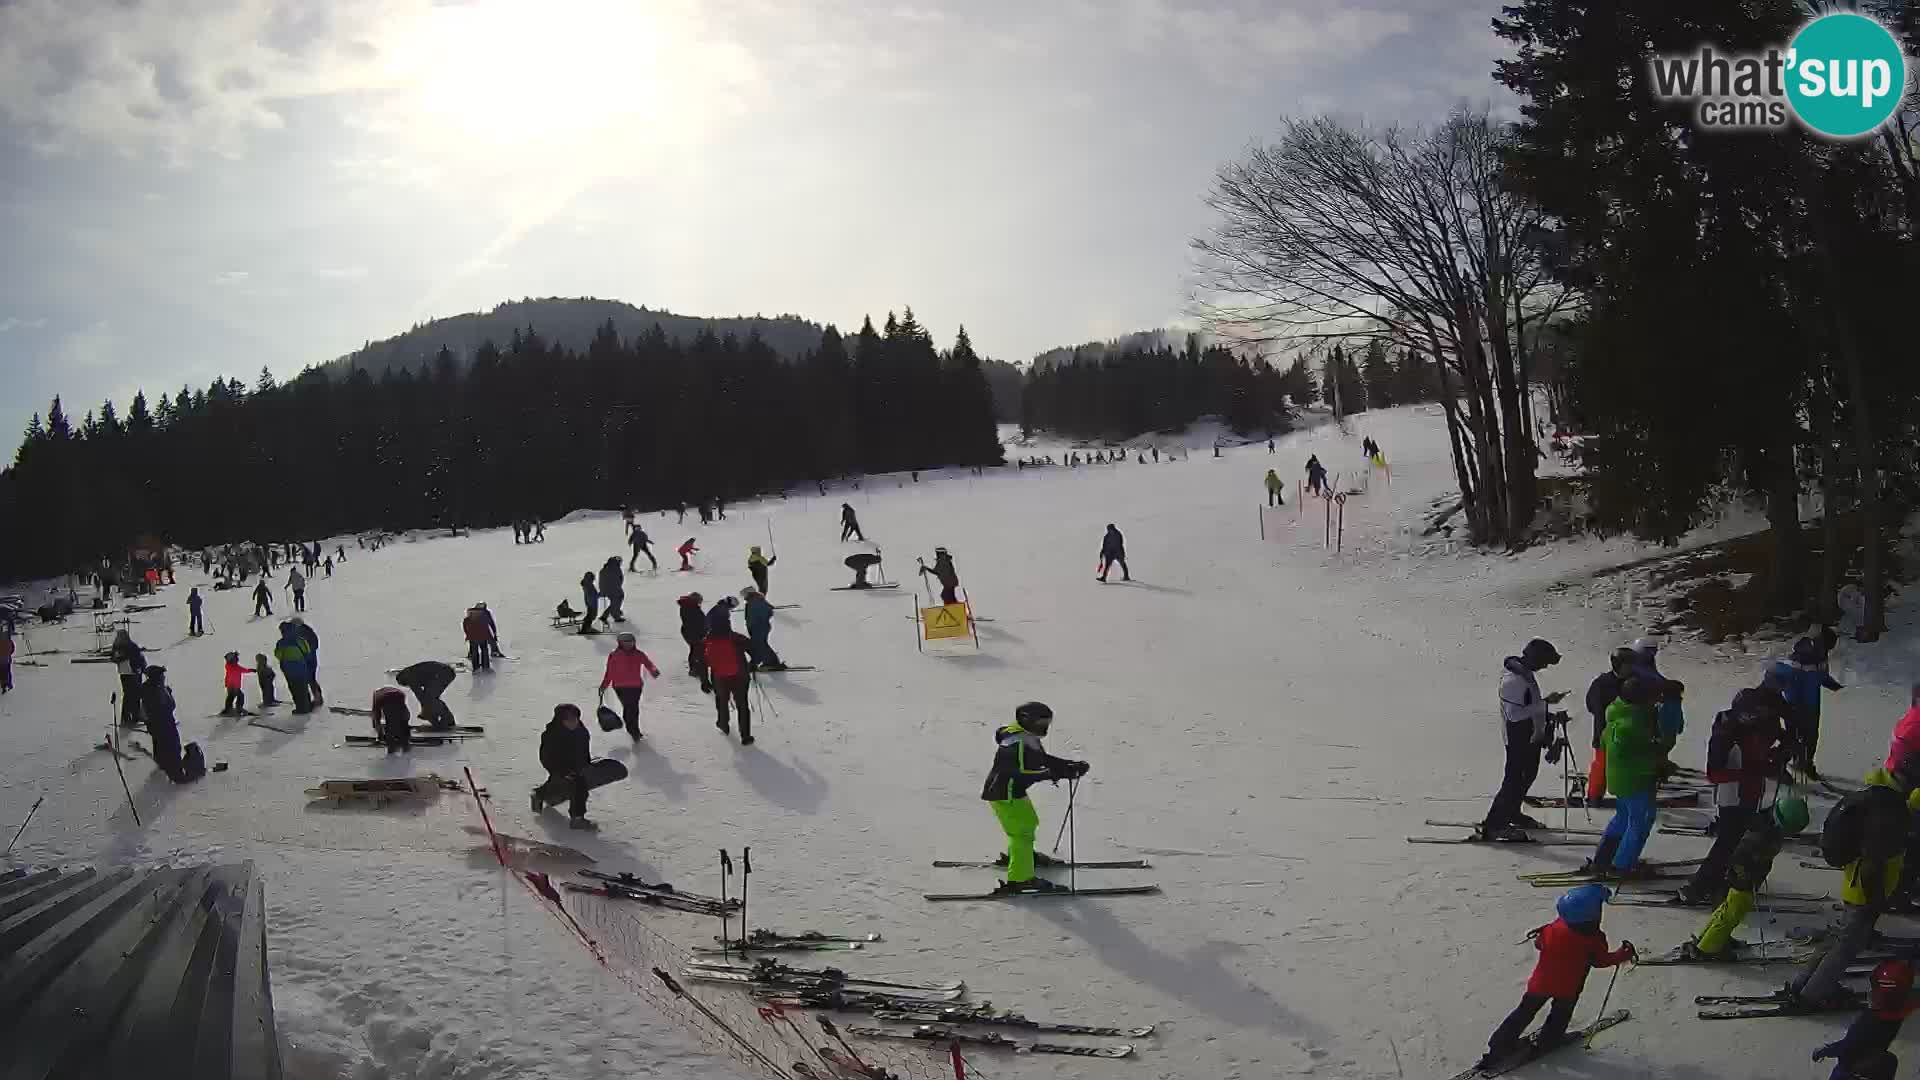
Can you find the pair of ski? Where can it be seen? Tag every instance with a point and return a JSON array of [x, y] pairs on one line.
[[1560, 837], [936, 1033], [627, 887], [1531, 1049], [1670, 898], [774, 940], [1757, 1006], [418, 729], [1646, 870], [1047, 862], [1560, 802], [1701, 830], [913, 1010], [774, 973], [417, 740]]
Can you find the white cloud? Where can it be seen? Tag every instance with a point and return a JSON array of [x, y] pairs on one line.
[[340, 273], [13, 322], [230, 277], [96, 345]]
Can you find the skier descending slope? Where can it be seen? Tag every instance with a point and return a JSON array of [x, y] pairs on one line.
[[1524, 730], [1113, 549], [1019, 762], [1570, 946], [943, 571]]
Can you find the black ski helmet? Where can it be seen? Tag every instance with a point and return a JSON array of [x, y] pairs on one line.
[[1034, 716]]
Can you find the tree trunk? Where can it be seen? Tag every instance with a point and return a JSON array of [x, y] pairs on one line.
[[1825, 604], [1486, 439], [1783, 520], [1517, 440]]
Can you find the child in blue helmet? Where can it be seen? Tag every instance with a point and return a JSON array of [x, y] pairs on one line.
[[1570, 946]]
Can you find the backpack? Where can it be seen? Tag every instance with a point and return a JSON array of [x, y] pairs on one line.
[[1842, 834]]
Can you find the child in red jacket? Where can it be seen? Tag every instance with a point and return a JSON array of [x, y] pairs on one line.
[[1570, 946], [686, 550], [236, 697]]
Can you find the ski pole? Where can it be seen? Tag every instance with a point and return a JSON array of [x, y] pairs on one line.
[[726, 867], [32, 810], [1073, 788], [114, 749], [746, 872], [1604, 998]]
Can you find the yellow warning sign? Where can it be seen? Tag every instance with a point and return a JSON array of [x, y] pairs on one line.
[[946, 621]]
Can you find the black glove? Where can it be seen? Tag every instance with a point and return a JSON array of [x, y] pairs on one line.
[[1077, 769], [1827, 1051]]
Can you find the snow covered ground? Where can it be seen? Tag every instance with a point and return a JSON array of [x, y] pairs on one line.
[[1267, 722]]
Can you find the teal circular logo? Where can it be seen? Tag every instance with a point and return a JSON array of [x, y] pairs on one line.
[[1846, 75]]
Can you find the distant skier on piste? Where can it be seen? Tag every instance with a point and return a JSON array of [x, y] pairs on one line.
[[312, 641], [1274, 486], [262, 599], [850, 524], [1316, 476], [944, 572], [1570, 946], [234, 679], [1019, 762], [1113, 552], [1524, 730], [757, 565], [686, 551], [641, 545]]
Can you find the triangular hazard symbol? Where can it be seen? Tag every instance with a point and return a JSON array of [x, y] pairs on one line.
[[944, 619]]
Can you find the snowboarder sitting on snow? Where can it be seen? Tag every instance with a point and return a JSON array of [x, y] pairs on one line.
[[693, 631], [1524, 728], [428, 679], [566, 749], [759, 615], [863, 562], [263, 671], [590, 596], [391, 718], [686, 551], [944, 572], [1570, 946], [236, 703], [757, 566], [849, 524], [1019, 762], [1865, 1052], [474, 626], [1113, 551], [1747, 869]]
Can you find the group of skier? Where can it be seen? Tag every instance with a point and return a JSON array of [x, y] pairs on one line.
[[1756, 745]]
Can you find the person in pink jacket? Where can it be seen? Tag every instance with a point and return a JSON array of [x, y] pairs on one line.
[[624, 666], [1906, 733]]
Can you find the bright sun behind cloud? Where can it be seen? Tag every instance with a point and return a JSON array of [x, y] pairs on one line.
[[541, 72]]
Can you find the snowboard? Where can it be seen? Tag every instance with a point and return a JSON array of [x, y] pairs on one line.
[[599, 773]]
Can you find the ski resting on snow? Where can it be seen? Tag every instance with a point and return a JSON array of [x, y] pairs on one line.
[[1530, 1049]]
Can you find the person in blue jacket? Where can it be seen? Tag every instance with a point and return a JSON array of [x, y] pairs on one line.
[[759, 615], [1809, 676]]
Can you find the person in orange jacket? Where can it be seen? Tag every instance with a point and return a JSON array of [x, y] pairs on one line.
[[624, 666], [236, 704]]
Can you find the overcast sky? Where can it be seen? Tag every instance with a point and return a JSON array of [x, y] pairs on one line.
[[192, 188]]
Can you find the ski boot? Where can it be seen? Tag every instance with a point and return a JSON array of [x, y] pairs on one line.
[[1039, 859], [1525, 822], [539, 804], [1031, 885], [582, 823], [1505, 834]]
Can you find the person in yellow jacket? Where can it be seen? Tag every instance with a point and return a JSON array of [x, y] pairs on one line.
[[1019, 762], [1869, 829], [1273, 489], [757, 566]]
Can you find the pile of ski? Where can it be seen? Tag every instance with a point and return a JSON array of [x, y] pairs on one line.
[[1570, 831], [1779, 1003], [946, 1035], [839, 998], [1647, 870], [1803, 839], [1764, 952], [1531, 1049], [627, 887], [1045, 863], [1528, 840], [770, 972], [1558, 802]]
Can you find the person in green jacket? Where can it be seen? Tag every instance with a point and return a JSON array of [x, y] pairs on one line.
[[1632, 744], [1019, 762], [1274, 485]]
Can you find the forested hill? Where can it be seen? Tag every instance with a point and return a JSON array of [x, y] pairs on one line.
[[569, 323]]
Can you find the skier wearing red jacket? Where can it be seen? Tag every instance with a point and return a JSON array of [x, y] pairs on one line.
[[686, 550], [727, 668], [1570, 946]]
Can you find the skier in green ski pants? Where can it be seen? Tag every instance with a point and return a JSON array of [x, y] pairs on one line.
[[1019, 762]]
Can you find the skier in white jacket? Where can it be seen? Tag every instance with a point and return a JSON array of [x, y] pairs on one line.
[[1524, 729]]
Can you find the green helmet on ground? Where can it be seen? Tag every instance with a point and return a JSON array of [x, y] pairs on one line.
[[1790, 814]]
